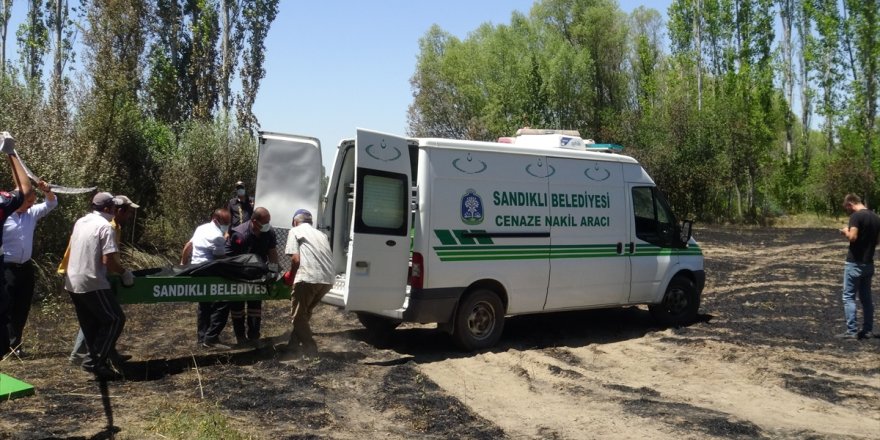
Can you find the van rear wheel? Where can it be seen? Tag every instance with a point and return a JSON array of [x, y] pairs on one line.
[[376, 323], [479, 320], [680, 303]]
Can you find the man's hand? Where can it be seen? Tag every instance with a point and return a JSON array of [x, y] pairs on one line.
[[44, 187], [8, 145], [127, 278]]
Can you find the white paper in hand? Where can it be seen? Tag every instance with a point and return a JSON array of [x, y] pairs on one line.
[[8, 146]]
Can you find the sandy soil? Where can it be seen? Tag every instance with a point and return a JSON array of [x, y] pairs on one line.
[[762, 362]]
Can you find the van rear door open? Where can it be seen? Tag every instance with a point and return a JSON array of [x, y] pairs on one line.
[[288, 177], [378, 257]]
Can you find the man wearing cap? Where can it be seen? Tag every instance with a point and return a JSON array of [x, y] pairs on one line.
[[124, 211], [252, 237], [18, 245], [311, 270], [208, 242], [240, 207], [9, 202], [94, 253]]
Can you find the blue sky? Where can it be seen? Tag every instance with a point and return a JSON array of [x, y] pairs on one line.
[[333, 66]]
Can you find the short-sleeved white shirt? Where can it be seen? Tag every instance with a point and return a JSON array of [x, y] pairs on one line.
[[207, 243], [315, 255], [92, 238]]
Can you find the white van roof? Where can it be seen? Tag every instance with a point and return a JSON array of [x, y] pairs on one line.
[[553, 145]]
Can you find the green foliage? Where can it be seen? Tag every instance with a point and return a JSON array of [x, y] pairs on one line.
[[709, 122], [198, 177]]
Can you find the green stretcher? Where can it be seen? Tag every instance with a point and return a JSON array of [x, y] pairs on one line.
[[12, 388], [162, 289]]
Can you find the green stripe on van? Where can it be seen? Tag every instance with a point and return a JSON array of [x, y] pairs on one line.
[[540, 252], [445, 237]]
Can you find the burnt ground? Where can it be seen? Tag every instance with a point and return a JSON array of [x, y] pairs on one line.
[[761, 362]]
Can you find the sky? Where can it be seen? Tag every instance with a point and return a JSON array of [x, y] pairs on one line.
[[334, 66]]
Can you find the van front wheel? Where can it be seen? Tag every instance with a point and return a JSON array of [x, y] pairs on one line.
[[479, 320], [680, 303]]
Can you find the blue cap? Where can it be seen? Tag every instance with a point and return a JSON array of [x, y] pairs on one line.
[[302, 211]]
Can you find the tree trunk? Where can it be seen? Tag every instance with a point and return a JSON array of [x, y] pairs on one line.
[[785, 12], [4, 26], [698, 35], [60, 6]]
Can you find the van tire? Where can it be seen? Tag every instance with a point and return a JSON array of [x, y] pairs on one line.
[[479, 320], [680, 304], [377, 324]]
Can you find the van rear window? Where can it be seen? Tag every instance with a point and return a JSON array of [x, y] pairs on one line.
[[383, 205]]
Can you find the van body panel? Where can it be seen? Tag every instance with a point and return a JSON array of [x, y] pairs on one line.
[[376, 265], [485, 222], [588, 262], [289, 177]]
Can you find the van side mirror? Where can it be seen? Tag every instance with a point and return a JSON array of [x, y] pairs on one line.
[[686, 231]]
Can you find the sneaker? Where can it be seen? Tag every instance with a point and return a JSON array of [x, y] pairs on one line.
[[215, 343], [868, 335], [847, 335], [76, 360]]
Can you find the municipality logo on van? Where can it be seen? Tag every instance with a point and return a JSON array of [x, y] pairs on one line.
[[471, 208]]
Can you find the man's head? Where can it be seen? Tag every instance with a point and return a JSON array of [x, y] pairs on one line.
[[221, 217], [302, 216], [126, 208], [30, 197], [104, 202], [260, 220], [240, 190], [852, 203]]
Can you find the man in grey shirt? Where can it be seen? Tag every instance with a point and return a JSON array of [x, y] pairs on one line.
[[311, 270], [94, 252]]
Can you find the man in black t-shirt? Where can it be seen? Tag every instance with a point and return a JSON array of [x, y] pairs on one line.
[[862, 233], [252, 237]]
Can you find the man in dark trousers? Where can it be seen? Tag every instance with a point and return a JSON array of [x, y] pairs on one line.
[[18, 246], [240, 207], [207, 243], [862, 234], [94, 253], [252, 237], [9, 202]]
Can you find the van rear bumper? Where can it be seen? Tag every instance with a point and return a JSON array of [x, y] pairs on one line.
[[432, 305]]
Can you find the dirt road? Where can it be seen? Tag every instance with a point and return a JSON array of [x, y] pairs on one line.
[[762, 362]]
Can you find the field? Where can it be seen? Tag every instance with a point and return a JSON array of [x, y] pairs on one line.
[[761, 362]]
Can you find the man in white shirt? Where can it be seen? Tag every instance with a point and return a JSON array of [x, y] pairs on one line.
[[207, 243], [311, 267], [18, 245], [94, 253]]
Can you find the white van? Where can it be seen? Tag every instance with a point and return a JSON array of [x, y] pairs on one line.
[[464, 233]]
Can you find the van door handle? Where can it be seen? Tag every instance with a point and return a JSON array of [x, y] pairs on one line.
[[390, 242], [632, 247], [619, 248]]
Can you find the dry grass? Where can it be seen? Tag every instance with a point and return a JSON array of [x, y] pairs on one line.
[[809, 221]]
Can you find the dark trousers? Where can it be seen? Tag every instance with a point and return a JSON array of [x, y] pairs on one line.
[[4, 314], [19, 285], [101, 320], [211, 320], [254, 314]]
